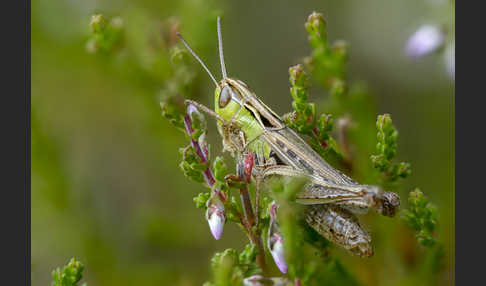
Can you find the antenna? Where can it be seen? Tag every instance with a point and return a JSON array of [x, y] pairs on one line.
[[220, 43], [197, 58]]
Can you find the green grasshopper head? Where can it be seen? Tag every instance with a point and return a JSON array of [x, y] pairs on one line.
[[229, 97]]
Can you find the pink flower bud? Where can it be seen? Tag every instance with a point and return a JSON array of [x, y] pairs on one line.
[[216, 217], [275, 240], [273, 212], [198, 121], [192, 111], [275, 244]]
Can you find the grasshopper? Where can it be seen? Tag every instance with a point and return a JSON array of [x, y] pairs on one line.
[[247, 125]]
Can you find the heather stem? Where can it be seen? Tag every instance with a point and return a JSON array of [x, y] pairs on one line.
[[247, 207], [253, 233], [257, 205], [208, 174], [256, 240]]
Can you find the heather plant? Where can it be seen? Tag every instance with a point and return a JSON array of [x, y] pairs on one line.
[[279, 247], [69, 275], [276, 217]]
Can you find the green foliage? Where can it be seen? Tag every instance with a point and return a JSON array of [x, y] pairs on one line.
[[70, 275], [304, 114], [224, 265], [386, 147], [327, 62], [173, 109], [201, 200], [334, 273], [303, 119], [421, 217], [324, 269], [106, 35], [220, 169], [230, 267], [192, 165], [288, 216]]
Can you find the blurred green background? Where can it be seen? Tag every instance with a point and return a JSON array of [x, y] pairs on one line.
[[106, 186]]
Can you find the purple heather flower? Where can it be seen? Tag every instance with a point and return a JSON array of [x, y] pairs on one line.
[[196, 116], [275, 241], [425, 40], [192, 110], [275, 244], [215, 215]]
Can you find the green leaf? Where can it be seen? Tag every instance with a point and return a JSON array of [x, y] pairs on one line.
[[248, 255], [386, 147], [421, 217], [220, 169], [70, 275], [201, 200], [173, 109], [224, 268], [191, 164]]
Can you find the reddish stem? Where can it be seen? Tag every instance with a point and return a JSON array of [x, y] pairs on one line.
[[208, 174]]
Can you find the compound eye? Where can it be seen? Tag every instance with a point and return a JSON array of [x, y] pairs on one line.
[[225, 96]]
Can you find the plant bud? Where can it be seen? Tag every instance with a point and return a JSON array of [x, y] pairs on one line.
[[275, 240], [298, 76], [197, 118], [215, 215], [316, 24], [275, 244]]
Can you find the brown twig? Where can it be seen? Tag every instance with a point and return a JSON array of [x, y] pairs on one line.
[[247, 207], [257, 205], [202, 152]]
